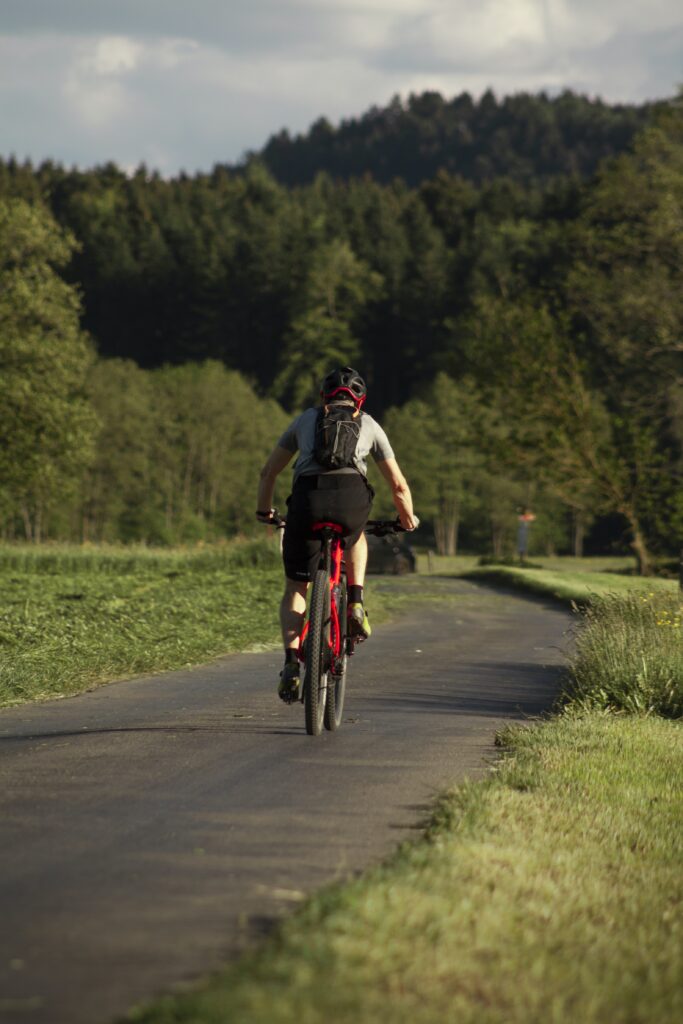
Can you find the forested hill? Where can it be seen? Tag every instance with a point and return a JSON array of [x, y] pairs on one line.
[[521, 342], [524, 137]]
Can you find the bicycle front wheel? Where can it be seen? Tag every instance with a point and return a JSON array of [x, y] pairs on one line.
[[317, 654]]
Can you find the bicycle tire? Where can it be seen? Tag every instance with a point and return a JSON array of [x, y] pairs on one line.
[[315, 681], [336, 683]]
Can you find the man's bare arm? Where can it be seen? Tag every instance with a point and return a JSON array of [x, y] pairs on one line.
[[275, 463], [390, 470]]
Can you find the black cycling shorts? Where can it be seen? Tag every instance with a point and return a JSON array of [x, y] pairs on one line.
[[343, 498]]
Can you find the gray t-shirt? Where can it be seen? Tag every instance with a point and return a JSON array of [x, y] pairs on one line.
[[300, 436]]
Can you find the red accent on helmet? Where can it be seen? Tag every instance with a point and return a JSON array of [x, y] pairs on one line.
[[330, 394], [344, 379]]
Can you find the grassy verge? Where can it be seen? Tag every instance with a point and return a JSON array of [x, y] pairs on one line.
[[630, 652], [579, 585], [459, 565], [72, 617], [551, 893]]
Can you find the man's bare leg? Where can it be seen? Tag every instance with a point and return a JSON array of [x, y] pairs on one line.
[[356, 561], [292, 611]]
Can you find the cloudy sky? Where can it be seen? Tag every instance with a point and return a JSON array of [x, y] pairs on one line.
[[183, 84]]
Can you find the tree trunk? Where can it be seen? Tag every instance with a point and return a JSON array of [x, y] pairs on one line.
[[453, 535], [38, 525], [446, 534], [439, 537], [497, 537], [579, 532], [28, 526], [447, 521], [639, 546]]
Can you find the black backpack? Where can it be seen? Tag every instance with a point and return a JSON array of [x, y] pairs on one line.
[[336, 437]]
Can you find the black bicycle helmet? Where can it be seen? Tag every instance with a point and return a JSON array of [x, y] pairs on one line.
[[344, 379]]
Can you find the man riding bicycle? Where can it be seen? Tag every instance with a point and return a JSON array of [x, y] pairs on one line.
[[340, 494]]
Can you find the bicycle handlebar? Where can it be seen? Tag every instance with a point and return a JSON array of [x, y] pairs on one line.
[[278, 521], [376, 527], [383, 527]]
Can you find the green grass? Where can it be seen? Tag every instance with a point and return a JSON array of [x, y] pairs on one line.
[[579, 585], [60, 633], [460, 564], [119, 559], [72, 617], [551, 893]]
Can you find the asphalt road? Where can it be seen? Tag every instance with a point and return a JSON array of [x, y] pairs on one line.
[[151, 829]]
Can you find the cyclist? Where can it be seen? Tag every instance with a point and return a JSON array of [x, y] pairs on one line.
[[342, 496]]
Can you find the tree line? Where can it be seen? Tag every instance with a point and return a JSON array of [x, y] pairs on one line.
[[528, 334], [524, 137]]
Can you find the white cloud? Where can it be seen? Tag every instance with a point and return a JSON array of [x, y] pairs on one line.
[[489, 27], [113, 55], [93, 85], [185, 86]]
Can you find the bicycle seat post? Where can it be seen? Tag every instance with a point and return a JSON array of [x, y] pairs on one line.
[[327, 532]]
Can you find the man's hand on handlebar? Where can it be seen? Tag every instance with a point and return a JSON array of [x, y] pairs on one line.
[[266, 516], [385, 527], [409, 522], [270, 517]]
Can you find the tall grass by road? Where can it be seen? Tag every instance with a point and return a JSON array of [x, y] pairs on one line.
[[629, 649], [629, 654]]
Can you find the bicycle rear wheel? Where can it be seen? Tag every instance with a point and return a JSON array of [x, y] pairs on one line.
[[336, 679], [317, 654]]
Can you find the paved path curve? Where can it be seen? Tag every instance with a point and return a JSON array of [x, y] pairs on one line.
[[152, 828]]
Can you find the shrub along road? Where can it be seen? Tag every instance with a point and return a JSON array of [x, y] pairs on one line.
[[155, 827]]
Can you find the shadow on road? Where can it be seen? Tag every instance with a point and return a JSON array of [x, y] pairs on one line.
[[169, 730], [529, 683]]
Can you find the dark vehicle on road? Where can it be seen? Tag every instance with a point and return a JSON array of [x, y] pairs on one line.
[[390, 554]]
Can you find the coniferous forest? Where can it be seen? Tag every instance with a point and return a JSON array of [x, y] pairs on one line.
[[507, 276]]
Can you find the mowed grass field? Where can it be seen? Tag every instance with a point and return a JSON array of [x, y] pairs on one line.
[[71, 618]]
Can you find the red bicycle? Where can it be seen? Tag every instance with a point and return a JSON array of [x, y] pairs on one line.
[[325, 644]]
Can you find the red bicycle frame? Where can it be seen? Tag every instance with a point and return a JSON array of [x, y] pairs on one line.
[[336, 557]]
